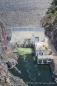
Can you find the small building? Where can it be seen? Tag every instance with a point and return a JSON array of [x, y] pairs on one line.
[[40, 49], [43, 54], [24, 35], [44, 59]]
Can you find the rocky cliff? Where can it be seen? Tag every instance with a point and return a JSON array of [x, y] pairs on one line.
[[8, 60], [49, 22]]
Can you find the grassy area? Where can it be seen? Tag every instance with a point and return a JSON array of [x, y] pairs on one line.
[[23, 51]]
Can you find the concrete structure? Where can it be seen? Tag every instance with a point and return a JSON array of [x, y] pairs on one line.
[[41, 49], [24, 35], [44, 59], [27, 36], [43, 54]]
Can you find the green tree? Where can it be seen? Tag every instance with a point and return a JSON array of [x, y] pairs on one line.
[[55, 2]]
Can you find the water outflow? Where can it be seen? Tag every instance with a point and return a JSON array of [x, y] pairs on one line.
[[31, 73], [17, 70]]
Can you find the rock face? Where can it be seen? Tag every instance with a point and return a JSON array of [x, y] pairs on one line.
[[7, 78], [23, 12], [51, 32], [7, 56], [49, 22], [15, 81], [3, 37]]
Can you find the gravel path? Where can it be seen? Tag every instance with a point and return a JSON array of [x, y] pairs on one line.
[[23, 12]]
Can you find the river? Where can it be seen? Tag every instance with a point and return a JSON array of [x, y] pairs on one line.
[[33, 74]]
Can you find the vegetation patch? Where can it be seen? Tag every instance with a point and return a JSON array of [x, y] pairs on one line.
[[55, 20], [51, 15], [54, 2], [23, 51]]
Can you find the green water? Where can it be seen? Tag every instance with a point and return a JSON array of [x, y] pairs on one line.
[[33, 74]]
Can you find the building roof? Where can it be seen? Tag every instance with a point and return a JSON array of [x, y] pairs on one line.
[[39, 46], [26, 29]]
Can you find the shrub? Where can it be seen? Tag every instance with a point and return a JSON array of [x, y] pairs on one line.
[[53, 11], [55, 21], [54, 2]]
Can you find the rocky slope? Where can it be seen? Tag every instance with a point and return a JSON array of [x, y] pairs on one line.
[[49, 22], [23, 12], [6, 78], [8, 59]]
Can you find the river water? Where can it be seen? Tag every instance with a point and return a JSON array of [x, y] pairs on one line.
[[33, 74]]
